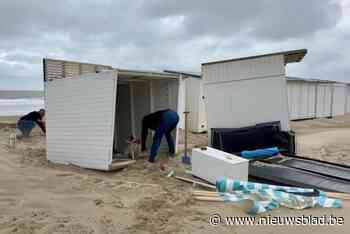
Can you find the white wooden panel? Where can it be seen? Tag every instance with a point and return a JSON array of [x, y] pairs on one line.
[[87, 68], [320, 105], [142, 106], [174, 99], [181, 100], [161, 94], [141, 93], [324, 100], [244, 69], [202, 112], [212, 165], [248, 102], [293, 99], [164, 95], [348, 100], [71, 70], [301, 99], [193, 96], [339, 99], [54, 69], [328, 100], [58, 69], [80, 123], [123, 120], [311, 100], [195, 104]]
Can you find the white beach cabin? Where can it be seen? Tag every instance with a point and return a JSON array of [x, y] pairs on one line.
[[90, 116], [247, 91]]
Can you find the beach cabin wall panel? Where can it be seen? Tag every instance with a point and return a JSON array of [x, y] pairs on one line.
[[301, 99], [235, 106], [324, 100], [348, 99], [192, 102], [246, 92], [293, 99], [123, 118], [80, 120], [339, 99], [262, 67], [141, 96], [195, 104], [311, 100], [202, 112], [181, 101], [176, 94], [59, 69], [164, 95]]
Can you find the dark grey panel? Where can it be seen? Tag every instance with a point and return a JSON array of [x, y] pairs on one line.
[[279, 174]]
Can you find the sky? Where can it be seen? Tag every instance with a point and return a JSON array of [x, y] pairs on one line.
[[164, 34]]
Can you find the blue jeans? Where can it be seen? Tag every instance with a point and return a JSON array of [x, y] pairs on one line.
[[168, 123], [25, 126]]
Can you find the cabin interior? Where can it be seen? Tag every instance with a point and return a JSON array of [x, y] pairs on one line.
[[135, 98]]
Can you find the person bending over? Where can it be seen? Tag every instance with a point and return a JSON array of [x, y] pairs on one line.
[[163, 122], [26, 123]]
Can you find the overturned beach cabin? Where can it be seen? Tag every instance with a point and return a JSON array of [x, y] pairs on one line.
[[91, 114]]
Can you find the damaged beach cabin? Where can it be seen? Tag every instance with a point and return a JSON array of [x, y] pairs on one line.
[[253, 114], [250, 90], [92, 110]]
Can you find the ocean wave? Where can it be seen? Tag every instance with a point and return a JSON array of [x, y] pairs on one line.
[[9, 107], [20, 101]]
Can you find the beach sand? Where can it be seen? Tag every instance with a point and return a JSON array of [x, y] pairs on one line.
[[40, 197]]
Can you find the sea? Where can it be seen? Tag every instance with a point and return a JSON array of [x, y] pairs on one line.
[[16, 103]]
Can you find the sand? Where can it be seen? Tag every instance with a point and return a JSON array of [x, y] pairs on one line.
[[40, 197]]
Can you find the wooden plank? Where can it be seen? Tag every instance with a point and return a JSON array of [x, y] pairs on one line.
[[212, 199], [206, 193], [120, 164], [343, 196], [195, 182]]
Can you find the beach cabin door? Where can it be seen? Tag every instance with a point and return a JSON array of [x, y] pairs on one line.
[[80, 119]]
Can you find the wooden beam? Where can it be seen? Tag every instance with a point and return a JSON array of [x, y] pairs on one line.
[[116, 165], [195, 182]]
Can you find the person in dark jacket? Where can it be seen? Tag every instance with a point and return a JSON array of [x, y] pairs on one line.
[[163, 123], [26, 123]]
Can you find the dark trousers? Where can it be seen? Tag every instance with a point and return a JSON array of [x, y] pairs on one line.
[[168, 123], [25, 126]]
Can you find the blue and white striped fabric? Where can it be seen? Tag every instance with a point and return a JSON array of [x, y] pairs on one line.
[[264, 197]]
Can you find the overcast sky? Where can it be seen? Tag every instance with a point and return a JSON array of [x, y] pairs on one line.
[[176, 34]]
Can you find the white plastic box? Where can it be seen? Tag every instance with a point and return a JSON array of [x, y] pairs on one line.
[[211, 165]]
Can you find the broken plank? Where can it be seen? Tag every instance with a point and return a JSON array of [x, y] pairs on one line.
[[119, 165], [344, 196], [195, 182], [213, 199], [206, 193]]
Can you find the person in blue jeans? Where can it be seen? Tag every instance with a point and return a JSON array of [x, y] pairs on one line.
[[26, 123], [163, 122]]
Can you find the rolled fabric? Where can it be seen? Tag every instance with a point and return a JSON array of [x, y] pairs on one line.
[[260, 153], [266, 197]]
